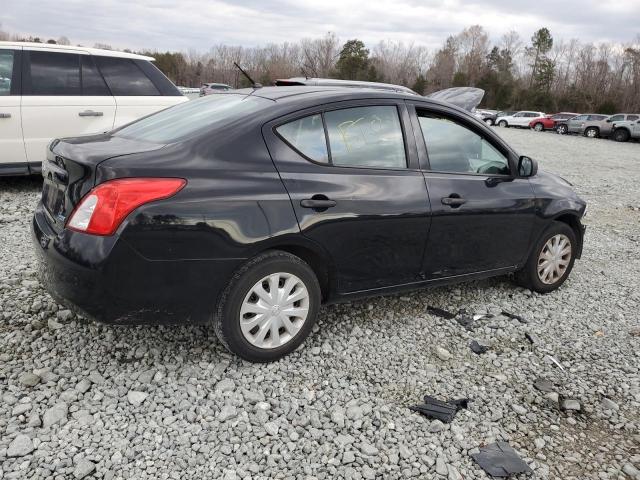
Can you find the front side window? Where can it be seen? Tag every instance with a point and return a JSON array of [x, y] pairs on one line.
[[124, 77], [616, 118], [366, 137], [55, 73], [307, 136], [452, 147], [6, 71]]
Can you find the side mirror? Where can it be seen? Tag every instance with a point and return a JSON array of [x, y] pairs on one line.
[[527, 166], [608, 120]]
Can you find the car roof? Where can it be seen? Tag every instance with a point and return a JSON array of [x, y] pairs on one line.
[[73, 49], [333, 82]]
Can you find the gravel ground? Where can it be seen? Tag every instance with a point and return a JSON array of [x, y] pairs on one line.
[[81, 400]]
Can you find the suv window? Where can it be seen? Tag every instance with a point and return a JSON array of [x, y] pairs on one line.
[[54, 73], [307, 136], [597, 117], [632, 117], [452, 147], [92, 81], [124, 77], [6, 71], [581, 118], [616, 118], [366, 137]]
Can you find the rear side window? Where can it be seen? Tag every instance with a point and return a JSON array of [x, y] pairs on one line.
[[54, 73], [191, 118], [307, 136], [6, 71], [125, 78], [366, 137], [597, 117], [92, 81], [632, 117]]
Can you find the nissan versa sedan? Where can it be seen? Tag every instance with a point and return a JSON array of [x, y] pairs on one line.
[[248, 210]]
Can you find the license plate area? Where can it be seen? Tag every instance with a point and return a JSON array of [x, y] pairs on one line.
[[53, 200]]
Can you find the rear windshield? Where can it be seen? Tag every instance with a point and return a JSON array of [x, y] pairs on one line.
[[192, 117]]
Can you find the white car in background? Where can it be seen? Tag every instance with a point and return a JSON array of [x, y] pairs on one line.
[[519, 119], [52, 91]]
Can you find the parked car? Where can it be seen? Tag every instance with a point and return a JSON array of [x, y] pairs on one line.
[[606, 130], [590, 125], [209, 88], [248, 210], [548, 122], [519, 119], [625, 130], [57, 91], [487, 116]]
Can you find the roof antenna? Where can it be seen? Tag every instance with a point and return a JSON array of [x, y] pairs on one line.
[[253, 84]]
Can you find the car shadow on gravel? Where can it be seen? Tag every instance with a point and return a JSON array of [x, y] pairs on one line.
[[21, 184]]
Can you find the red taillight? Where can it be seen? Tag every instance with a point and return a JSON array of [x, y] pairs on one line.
[[104, 208]]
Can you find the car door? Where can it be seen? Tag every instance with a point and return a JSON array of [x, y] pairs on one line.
[[352, 173], [13, 159], [136, 91], [63, 96], [518, 120], [482, 214], [576, 124]]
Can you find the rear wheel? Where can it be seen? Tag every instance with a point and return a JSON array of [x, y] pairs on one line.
[[268, 308], [591, 132], [562, 129], [551, 260], [489, 122], [621, 135], [538, 127], [503, 123]]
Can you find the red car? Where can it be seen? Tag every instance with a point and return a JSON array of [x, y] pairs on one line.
[[549, 122]]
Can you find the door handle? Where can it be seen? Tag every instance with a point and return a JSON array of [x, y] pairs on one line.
[[90, 113], [318, 203], [453, 200], [5, 115]]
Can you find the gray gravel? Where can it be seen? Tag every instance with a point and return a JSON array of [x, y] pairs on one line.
[[81, 400]]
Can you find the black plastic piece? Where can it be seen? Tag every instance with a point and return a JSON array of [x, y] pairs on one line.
[[441, 313], [514, 316], [440, 410], [477, 348], [500, 460], [465, 321]]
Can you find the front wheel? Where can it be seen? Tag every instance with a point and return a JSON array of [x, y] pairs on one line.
[[503, 124], [591, 132], [268, 308], [562, 129], [621, 135], [551, 260], [538, 127]]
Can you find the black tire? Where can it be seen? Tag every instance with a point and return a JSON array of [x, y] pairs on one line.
[[592, 132], [621, 135], [528, 276], [562, 129], [226, 321], [503, 124], [538, 127], [488, 121]]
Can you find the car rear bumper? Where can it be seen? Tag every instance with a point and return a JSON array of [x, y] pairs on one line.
[[106, 279]]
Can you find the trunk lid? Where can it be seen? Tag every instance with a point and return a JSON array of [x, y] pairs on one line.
[[70, 167]]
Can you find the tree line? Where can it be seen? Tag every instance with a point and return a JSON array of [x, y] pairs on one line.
[[539, 73]]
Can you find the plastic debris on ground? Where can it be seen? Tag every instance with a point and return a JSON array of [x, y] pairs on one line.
[[500, 460], [439, 312], [514, 316], [440, 410], [478, 348]]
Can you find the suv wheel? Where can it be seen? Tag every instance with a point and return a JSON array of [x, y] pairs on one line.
[[503, 124], [551, 260], [621, 135], [538, 127], [268, 308], [562, 129], [591, 132], [489, 122]]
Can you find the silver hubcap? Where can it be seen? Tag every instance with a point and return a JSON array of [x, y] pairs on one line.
[[554, 259], [274, 310], [591, 133], [538, 127]]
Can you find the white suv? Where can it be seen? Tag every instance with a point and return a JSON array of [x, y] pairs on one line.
[[519, 119], [51, 91]]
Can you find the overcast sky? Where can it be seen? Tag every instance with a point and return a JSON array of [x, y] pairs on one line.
[[191, 24]]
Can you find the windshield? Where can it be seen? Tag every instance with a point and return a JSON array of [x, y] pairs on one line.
[[189, 118]]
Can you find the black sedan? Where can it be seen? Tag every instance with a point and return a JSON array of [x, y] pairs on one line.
[[248, 210]]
